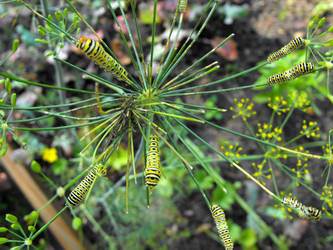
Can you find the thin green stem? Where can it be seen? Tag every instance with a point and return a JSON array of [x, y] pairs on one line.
[[153, 39], [157, 82], [175, 60], [43, 85], [295, 178], [48, 223], [98, 79], [133, 43], [47, 20], [210, 91], [57, 128], [199, 60], [228, 78], [230, 161], [256, 139], [96, 225], [197, 77]]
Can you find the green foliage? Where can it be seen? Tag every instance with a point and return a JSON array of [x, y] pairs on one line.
[[114, 123], [212, 114]]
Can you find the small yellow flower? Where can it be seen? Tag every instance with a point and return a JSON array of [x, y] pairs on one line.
[[50, 155]]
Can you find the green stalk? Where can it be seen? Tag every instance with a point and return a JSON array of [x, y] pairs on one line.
[[330, 157], [132, 41], [273, 178], [210, 91], [167, 44], [98, 79], [153, 39], [124, 40], [157, 81], [47, 20], [242, 203], [47, 224], [230, 161], [137, 30], [188, 166], [43, 85], [282, 167], [200, 59], [256, 139], [108, 131], [187, 77], [123, 178], [8, 107], [228, 78], [56, 128], [96, 224], [104, 132], [148, 121], [130, 82], [176, 116], [197, 106], [17, 235], [52, 184], [53, 198], [179, 84], [175, 60], [171, 53]]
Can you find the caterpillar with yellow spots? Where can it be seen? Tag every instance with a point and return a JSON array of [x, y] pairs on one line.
[[222, 227], [293, 45], [80, 191], [152, 173], [94, 50], [296, 71]]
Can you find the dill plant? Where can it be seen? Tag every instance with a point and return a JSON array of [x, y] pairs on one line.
[[131, 109]]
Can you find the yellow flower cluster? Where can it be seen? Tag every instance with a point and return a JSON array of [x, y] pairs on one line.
[[275, 153], [300, 101], [50, 155], [267, 133], [310, 130], [261, 173], [278, 104], [327, 153], [293, 100], [232, 151], [243, 108], [327, 196]]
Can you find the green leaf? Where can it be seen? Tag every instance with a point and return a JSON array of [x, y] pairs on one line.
[[76, 223], [15, 45], [13, 100], [31, 229], [59, 166], [235, 231], [249, 238], [35, 166], [146, 15], [3, 240], [11, 218]]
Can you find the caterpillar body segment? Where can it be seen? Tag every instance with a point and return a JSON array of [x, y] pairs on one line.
[[182, 6], [94, 50], [306, 212], [293, 45], [222, 227], [311, 213], [153, 171], [79, 193], [296, 71]]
